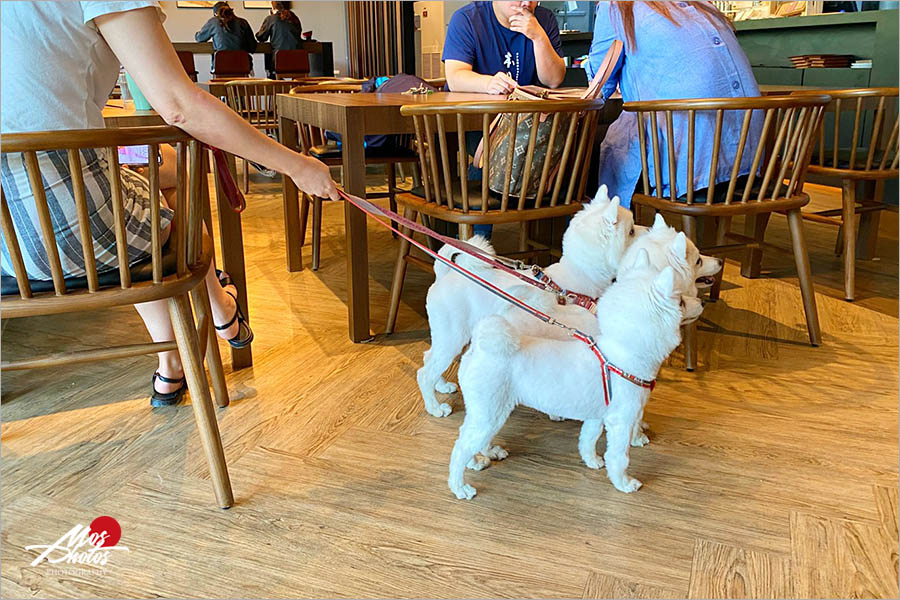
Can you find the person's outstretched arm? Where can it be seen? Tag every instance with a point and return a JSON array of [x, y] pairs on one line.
[[604, 35], [206, 32], [139, 41], [265, 29]]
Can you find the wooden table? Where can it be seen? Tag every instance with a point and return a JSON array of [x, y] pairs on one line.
[[231, 235], [355, 116]]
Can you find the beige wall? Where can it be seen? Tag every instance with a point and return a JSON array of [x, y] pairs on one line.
[[327, 20]]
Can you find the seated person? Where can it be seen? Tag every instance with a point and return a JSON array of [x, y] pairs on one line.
[[672, 50], [228, 32], [284, 27], [492, 46]]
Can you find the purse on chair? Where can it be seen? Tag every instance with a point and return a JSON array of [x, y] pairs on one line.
[[502, 134]]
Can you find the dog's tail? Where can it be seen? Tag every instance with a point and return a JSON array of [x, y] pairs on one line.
[[461, 258], [496, 336]]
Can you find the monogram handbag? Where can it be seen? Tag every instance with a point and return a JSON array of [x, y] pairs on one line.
[[502, 134]]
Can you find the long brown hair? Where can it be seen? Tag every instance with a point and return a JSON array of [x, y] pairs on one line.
[[667, 10], [225, 15], [285, 12]]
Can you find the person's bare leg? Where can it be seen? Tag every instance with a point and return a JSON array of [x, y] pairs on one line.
[[156, 314]]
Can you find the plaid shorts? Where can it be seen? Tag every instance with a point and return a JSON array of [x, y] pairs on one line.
[[60, 199]]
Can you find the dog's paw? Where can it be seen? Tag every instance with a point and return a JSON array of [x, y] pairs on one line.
[[628, 485], [496, 453], [555, 418], [441, 410], [479, 462], [446, 387], [639, 439], [593, 462], [464, 492]]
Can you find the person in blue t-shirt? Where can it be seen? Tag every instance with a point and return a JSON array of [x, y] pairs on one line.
[[492, 46]]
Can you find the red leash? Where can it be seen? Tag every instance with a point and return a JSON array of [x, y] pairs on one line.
[[375, 211]]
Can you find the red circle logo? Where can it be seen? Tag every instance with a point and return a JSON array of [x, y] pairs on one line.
[[107, 530]]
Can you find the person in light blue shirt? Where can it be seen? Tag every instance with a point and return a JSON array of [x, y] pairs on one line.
[[671, 51]]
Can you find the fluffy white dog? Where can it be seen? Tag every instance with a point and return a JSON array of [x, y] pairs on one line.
[[640, 317], [667, 247], [593, 245]]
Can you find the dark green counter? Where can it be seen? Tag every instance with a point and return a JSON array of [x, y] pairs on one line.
[[873, 34]]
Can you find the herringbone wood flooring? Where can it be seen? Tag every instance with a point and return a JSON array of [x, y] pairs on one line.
[[772, 470]]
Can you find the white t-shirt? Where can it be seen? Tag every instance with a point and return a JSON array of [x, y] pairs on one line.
[[57, 70]]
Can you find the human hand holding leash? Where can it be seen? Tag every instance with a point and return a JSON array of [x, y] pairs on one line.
[[314, 178]]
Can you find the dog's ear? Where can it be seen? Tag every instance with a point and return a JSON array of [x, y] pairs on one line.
[[678, 247], [664, 283], [611, 212], [602, 194], [659, 222], [643, 259]]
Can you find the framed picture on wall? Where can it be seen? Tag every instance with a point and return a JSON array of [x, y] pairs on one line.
[[194, 4], [265, 5]]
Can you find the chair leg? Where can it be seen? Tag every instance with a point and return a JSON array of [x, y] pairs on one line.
[[465, 231], [689, 226], [200, 296], [316, 233], [754, 227], [689, 342], [801, 258], [189, 350], [399, 274], [849, 227], [867, 240], [392, 191], [304, 216], [723, 226], [246, 176]]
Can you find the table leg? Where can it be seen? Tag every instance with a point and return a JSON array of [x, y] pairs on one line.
[[355, 224], [293, 241], [232, 242]]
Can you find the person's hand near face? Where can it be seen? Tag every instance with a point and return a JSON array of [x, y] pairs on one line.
[[522, 20]]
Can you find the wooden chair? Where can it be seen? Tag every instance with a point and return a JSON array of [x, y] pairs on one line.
[[254, 100], [232, 64], [448, 194], [775, 181], [314, 143], [187, 61], [868, 157], [173, 272], [291, 64]]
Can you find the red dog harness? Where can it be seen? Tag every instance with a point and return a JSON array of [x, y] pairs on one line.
[[375, 211]]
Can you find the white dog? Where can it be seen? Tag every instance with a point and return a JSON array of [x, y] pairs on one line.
[[668, 247], [593, 245], [640, 317]]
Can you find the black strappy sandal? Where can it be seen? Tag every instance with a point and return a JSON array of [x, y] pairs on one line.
[[159, 399], [245, 334]]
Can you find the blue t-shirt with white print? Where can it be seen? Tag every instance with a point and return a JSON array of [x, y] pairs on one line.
[[475, 37]]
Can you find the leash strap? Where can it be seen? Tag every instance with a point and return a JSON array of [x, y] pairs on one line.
[[375, 211]]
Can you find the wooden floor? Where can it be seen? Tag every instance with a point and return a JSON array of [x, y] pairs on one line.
[[771, 472]]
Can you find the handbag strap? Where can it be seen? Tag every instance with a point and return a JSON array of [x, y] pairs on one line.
[[227, 185]]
